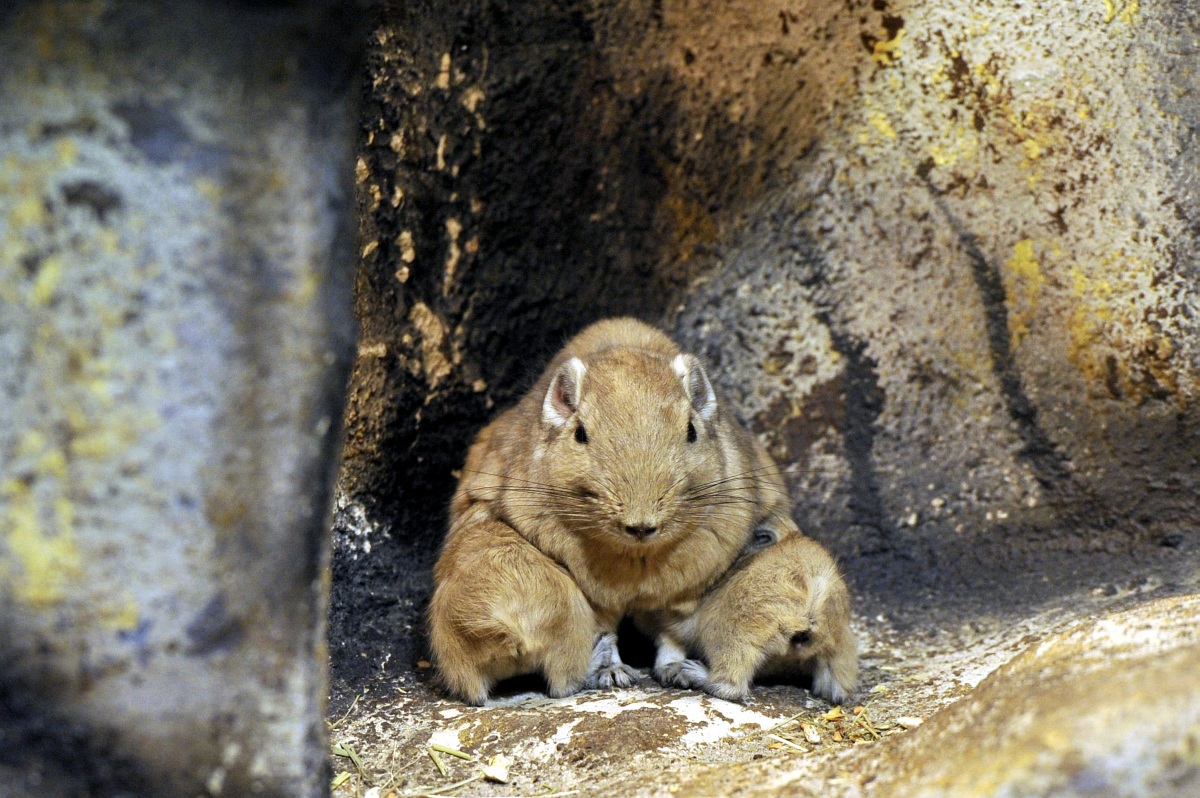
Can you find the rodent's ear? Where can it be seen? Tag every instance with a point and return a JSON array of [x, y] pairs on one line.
[[695, 382], [562, 398]]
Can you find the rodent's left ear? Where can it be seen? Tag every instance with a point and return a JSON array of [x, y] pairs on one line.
[[695, 382], [562, 398]]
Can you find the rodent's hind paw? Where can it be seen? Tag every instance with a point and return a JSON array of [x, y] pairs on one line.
[[610, 676], [562, 690], [690, 674], [826, 685], [727, 691]]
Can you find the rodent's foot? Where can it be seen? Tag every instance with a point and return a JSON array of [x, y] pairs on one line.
[[562, 690], [690, 674], [827, 687], [730, 692], [619, 675]]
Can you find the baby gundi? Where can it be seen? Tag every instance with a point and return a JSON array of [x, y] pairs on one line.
[[782, 610], [634, 490]]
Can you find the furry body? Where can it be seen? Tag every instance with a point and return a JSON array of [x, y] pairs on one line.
[[783, 612], [621, 469]]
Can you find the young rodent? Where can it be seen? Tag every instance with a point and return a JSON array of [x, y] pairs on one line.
[[621, 466], [502, 608], [782, 611]]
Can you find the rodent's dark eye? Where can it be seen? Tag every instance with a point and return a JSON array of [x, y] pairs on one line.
[[802, 638], [691, 432], [580, 434]]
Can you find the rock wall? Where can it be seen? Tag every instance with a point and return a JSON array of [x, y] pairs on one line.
[[175, 332], [940, 255]]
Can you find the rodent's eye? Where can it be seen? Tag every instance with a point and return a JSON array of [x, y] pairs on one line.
[[581, 434], [691, 432]]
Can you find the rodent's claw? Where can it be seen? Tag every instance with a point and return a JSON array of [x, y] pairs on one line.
[[619, 675], [689, 674]]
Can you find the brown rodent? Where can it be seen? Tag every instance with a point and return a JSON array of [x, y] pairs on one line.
[[782, 611], [621, 466], [502, 608]]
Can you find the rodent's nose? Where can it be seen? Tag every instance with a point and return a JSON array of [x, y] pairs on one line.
[[641, 532], [802, 638]]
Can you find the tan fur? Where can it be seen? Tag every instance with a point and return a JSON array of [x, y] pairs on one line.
[[501, 608], [575, 502], [744, 628]]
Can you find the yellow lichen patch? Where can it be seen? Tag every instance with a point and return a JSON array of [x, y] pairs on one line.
[[48, 278], [106, 436], [959, 145], [886, 52], [304, 287], [28, 212], [121, 616], [880, 122], [109, 241], [1023, 284], [46, 562], [1123, 10], [67, 153], [1120, 351], [1034, 131], [1081, 349]]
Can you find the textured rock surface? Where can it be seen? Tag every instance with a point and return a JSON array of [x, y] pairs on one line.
[[1083, 698], [174, 338], [941, 255], [1108, 708]]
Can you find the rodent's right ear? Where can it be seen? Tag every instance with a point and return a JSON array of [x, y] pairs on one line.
[[562, 397], [695, 382]]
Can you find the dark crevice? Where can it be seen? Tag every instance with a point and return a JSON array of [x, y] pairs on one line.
[[1049, 465], [864, 402]]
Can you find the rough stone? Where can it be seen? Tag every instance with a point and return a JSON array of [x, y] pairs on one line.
[[1107, 708], [175, 333], [942, 256]]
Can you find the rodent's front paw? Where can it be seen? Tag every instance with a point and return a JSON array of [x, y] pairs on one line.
[[619, 675], [689, 674]]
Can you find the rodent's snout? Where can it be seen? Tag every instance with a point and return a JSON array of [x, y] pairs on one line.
[[641, 532], [803, 638]]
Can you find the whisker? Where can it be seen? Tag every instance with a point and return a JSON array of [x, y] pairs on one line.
[[529, 484], [740, 475], [730, 485]]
